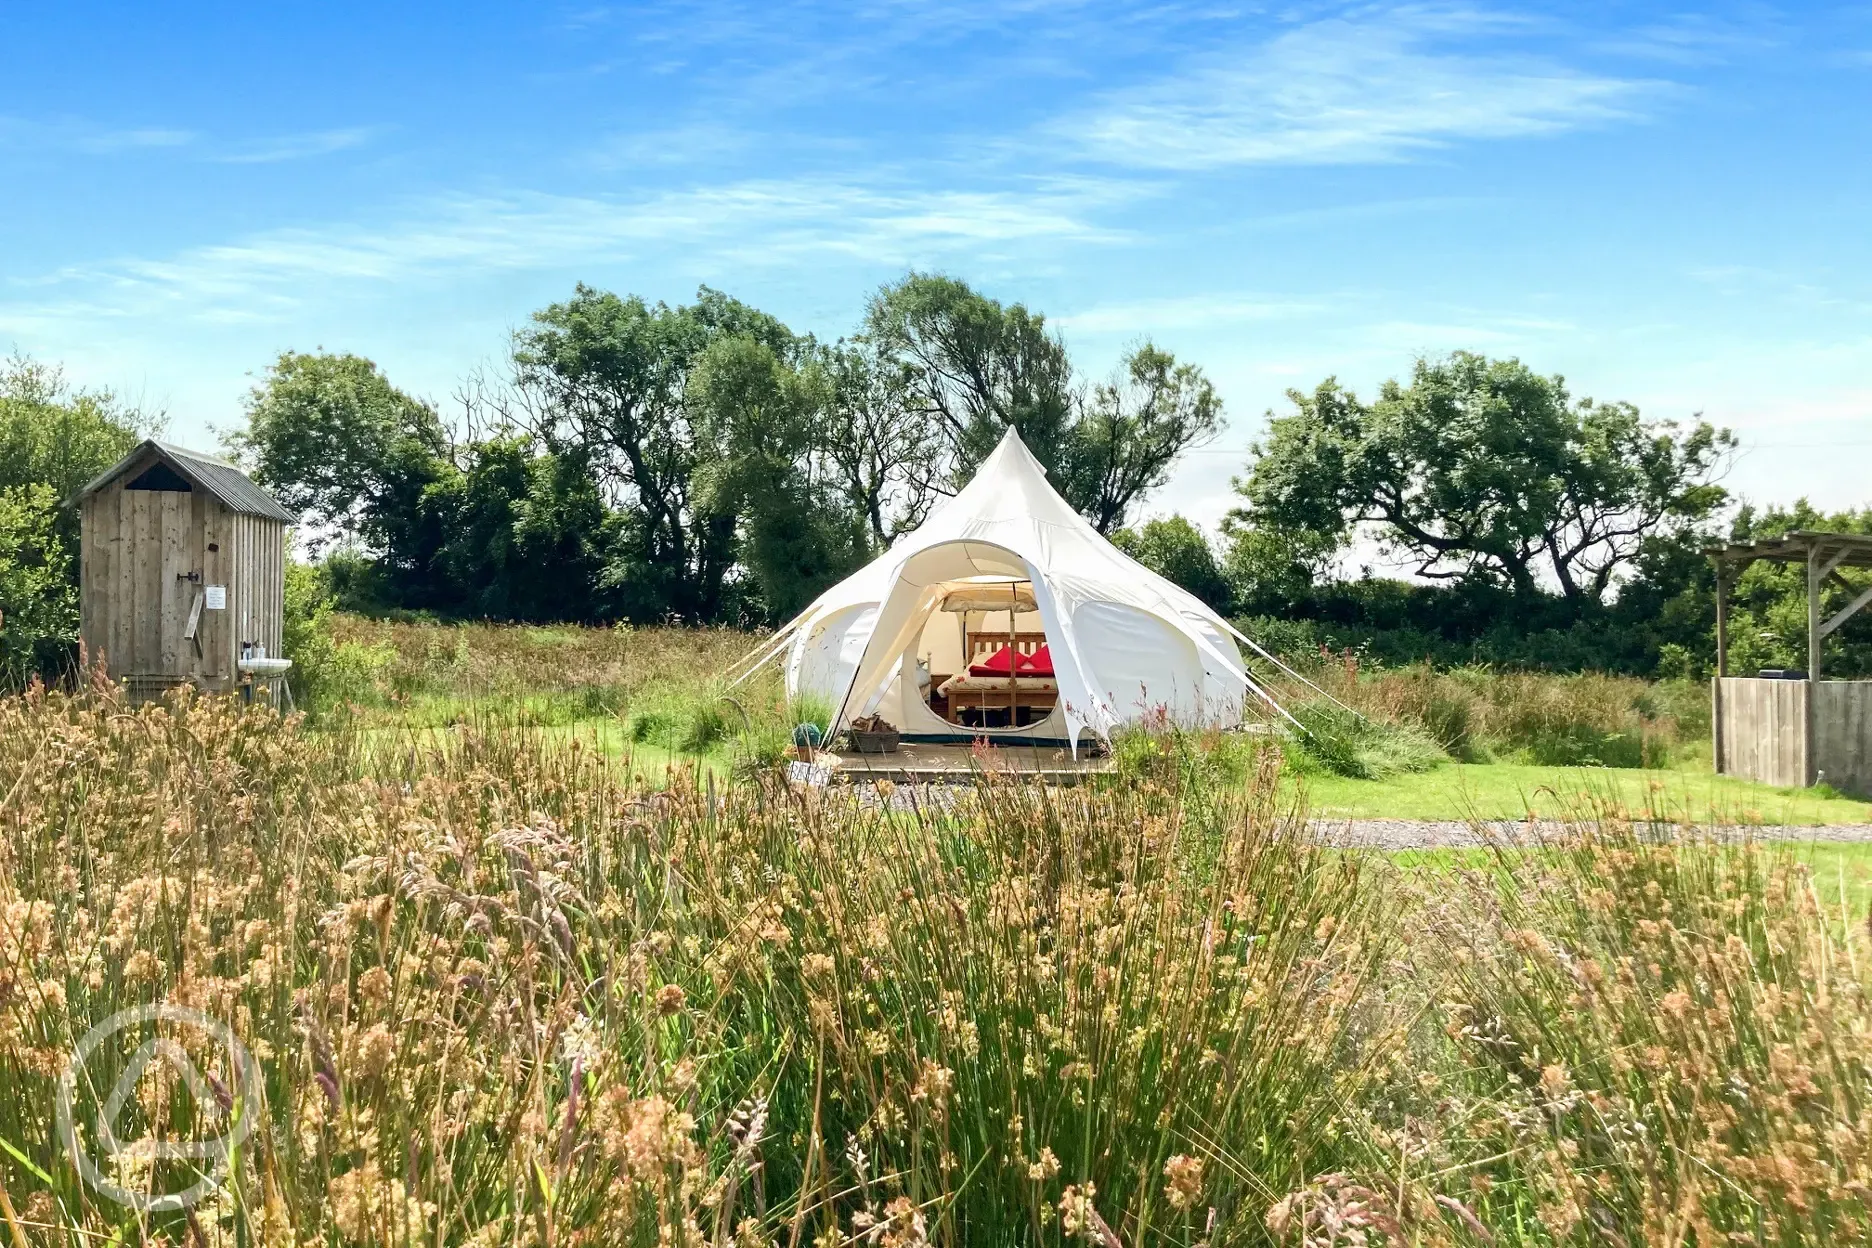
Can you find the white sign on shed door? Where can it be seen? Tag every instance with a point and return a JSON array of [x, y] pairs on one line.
[[215, 597]]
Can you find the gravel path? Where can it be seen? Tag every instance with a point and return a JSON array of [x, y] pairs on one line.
[[1455, 834], [1391, 834]]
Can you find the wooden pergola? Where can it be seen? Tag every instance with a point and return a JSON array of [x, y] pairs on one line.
[[1793, 731], [1824, 554]]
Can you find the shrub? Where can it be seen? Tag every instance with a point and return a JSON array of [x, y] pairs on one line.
[[38, 593], [651, 726], [1339, 740], [706, 725], [1481, 715]]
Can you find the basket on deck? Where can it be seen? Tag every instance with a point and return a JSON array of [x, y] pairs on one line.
[[872, 734]]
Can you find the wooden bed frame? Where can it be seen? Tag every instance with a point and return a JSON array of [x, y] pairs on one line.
[[984, 646], [980, 647]]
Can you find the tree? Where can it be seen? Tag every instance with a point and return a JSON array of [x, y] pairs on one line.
[[347, 451], [969, 368], [974, 368], [1485, 469], [702, 421], [1176, 550], [58, 437], [1133, 431], [885, 458], [762, 421], [610, 375], [525, 534], [53, 441], [1269, 570], [38, 585]]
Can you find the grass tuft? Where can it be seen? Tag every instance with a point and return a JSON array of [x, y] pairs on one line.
[[1344, 743]]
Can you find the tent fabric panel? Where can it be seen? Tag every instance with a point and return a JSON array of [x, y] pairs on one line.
[[1143, 663], [829, 650], [1224, 675]]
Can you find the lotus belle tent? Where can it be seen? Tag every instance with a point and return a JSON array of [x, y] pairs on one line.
[[1006, 616]]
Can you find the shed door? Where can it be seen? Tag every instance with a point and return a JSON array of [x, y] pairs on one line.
[[164, 571]]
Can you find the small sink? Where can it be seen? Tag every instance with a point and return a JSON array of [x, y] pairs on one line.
[[264, 667]]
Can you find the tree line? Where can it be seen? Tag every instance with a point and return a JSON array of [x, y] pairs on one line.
[[699, 463], [704, 463]]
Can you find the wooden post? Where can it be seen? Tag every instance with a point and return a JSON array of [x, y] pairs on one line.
[[1722, 666], [1722, 618], [1013, 656], [1815, 575]]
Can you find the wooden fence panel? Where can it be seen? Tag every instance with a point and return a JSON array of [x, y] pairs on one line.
[[1842, 728], [1764, 729]]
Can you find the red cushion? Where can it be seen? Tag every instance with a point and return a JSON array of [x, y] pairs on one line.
[[999, 664], [1039, 663]]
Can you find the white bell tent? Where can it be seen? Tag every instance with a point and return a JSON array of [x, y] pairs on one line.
[[1006, 616]]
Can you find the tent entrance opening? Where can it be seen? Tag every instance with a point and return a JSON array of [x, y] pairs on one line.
[[983, 660]]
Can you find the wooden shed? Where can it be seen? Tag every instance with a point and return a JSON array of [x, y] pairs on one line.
[[1792, 728], [183, 570]]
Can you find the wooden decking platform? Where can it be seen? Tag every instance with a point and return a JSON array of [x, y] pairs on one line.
[[915, 763]]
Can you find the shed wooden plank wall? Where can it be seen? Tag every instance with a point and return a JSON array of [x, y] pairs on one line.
[[1842, 728], [258, 581], [217, 638], [1764, 729]]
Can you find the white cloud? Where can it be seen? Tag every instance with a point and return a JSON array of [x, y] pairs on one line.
[[1185, 312], [1346, 90], [295, 146], [677, 145], [1698, 38], [753, 223], [70, 134]]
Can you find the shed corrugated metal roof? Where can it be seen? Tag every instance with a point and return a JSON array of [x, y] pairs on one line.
[[223, 480]]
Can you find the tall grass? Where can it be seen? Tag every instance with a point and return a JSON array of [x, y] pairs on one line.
[[498, 996], [1657, 1043], [663, 685]]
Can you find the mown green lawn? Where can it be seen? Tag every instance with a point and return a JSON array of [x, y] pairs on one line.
[[651, 763], [1511, 791], [1841, 872]]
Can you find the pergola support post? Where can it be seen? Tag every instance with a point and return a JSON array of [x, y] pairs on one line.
[[1722, 665], [1816, 575], [1816, 578]]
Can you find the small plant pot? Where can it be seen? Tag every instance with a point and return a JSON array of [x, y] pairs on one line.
[[874, 742]]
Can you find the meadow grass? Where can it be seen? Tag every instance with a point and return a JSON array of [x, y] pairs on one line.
[[1480, 715], [1423, 744], [499, 992]]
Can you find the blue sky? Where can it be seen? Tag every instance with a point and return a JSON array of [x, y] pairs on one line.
[[1668, 206]]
